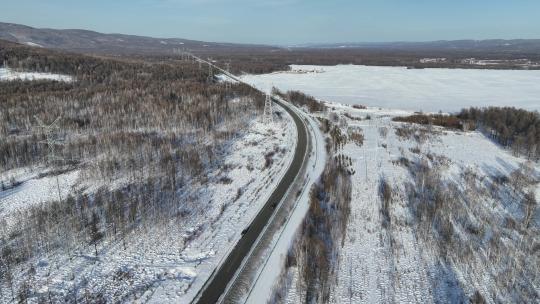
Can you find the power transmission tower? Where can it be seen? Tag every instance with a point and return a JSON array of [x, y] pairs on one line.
[[210, 71], [268, 115], [228, 69], [52, 141]]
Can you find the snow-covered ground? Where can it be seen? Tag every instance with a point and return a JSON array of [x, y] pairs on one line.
[[366, 260], [29, 43], [7, 74], [34, 188], [170, 262], [428, 90], [392, 263]]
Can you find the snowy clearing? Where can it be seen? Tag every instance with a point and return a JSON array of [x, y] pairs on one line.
[[33, 188], [7, 74], [29, 43], [428, 90]]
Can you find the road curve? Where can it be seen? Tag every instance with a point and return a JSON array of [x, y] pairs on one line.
[[220, 278]]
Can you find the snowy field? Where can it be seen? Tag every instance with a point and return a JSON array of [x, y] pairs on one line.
[[7, 74], [392, 262], [428, 90]]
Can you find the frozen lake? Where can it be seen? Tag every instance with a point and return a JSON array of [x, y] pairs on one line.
[[427, 90]]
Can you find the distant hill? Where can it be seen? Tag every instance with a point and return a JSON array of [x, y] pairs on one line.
[[492, 45], [265, 58], [93, 42]]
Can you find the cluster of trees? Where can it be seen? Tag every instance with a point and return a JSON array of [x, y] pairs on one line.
[[156, 125], [447, 121], [323, 231], [515, 128], [301, 100], [511, 127], [385, 193]]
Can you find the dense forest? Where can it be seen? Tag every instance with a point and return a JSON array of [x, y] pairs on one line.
[[154, 124]]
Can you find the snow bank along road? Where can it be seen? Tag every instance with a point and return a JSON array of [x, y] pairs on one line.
[[220, 278]]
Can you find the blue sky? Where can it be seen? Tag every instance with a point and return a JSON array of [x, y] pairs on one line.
[[287, 21]]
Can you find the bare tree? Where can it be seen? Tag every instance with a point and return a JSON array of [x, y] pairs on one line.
[[95, 232], [530, 203]]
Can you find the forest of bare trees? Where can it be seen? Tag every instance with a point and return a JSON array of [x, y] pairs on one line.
[[154, 124], [454, 218]]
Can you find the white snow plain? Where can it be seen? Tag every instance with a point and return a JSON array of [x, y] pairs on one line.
[[428, 90], [7, 74]]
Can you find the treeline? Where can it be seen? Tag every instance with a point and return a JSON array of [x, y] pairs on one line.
[[511, 127], [517, 129], [264, 61], [442, 120]]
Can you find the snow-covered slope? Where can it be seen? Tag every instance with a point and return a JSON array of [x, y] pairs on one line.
[[7, 74]]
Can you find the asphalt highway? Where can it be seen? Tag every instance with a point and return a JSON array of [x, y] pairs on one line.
[[216, 285]]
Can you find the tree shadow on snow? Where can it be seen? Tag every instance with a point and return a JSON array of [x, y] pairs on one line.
[[445, 285]]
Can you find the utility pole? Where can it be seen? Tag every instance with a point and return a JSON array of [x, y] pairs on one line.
[[210, 71], [228, 69]]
